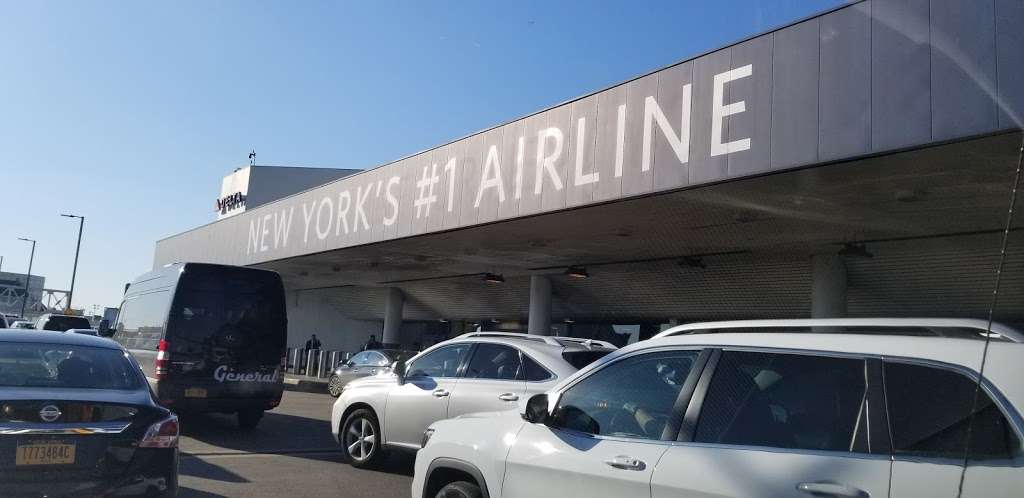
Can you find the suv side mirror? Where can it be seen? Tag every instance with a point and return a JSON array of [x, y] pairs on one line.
[[399, 369], [104, 329], [537, 409]]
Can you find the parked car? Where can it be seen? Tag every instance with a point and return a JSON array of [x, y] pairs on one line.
[[877, 408], [363, 364], [210, 338], [481, 371], [77, 418], [22, 324], [61, 323]]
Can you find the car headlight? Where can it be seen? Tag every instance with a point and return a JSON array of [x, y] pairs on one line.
[[427, 434]]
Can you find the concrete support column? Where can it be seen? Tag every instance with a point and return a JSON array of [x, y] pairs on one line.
[[540, 305], [392, 316], [828, 286]]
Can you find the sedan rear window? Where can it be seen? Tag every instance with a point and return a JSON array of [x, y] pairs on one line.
[[580, 359], [61, 365], [62, 323]]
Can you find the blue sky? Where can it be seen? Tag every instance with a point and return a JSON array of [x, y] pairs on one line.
[[130, 113]]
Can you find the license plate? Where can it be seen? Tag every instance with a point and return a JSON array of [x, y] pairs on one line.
[[45, 454], [195, 392]]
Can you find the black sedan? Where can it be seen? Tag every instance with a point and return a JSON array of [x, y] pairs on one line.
[[364, 364], [77, 418]]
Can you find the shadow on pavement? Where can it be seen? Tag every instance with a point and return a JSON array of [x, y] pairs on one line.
[[277, 432], [195, 493], [197, 467]]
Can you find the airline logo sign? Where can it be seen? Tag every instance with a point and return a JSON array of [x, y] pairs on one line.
[[635, 138]]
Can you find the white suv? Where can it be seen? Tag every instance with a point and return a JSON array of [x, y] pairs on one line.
[[844, 408], [482, 371]]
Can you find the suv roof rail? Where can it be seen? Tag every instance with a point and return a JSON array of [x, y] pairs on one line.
[[589, 343], [958, 328], [554, 341], [513, 335]]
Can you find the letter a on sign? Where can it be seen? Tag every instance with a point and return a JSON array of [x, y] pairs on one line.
[[491, 177]]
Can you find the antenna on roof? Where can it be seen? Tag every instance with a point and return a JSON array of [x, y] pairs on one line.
[[252, 158]]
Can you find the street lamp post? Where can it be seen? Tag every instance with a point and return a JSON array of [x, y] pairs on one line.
[[28, 278], [74, 269]]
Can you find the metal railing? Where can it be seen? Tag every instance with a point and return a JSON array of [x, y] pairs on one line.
[[317, 363]]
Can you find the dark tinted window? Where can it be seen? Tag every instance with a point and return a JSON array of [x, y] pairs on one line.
[[232, 308], [140, 323], [785, 401], [533, 372], [633, 397], [441, 362], [580, 359], [58, 365], [930, 413], [61, 323], [494, 361]]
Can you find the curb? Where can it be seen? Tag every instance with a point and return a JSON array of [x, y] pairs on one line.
[[305, 386]]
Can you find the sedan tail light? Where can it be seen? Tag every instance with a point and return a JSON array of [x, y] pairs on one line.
[[163, 434]]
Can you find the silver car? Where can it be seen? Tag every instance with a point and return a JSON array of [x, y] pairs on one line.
[[365, 364], [476, 372]]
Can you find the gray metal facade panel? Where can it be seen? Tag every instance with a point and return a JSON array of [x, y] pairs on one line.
[[512, 168], [755, 123], [900, 74], [844, 91], [529, 202], [795, 95], [493, 193], [579, 183], [963, 68], [552, 195], [703, 166], [608, 104], [669, 170], [882, 79], [1009, 17], [634, 179]]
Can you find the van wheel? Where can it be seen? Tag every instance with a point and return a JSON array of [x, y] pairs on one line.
[[460, 489], [360, 439], [334, 386], [248, 419]]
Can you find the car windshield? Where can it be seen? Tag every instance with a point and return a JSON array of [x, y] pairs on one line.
[[61, 323], [65, 366]]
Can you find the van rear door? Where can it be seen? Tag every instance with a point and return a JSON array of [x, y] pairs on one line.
[[225, 335]]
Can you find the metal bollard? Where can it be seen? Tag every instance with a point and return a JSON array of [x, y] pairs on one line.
[[295, 360], [332, 362], [309, 363], [321, 364]]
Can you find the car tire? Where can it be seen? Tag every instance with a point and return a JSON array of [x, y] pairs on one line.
[[360, 439], [249, 419], [334, 386], [460, 489]]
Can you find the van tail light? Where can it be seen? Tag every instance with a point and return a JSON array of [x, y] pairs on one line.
[[163, 359], [163, 434]]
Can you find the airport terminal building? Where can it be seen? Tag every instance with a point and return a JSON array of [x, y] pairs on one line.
[[856, 163]]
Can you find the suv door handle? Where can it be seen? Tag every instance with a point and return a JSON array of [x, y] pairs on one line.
[[440, 393], [626, 463], [831, 489], [508, 397]]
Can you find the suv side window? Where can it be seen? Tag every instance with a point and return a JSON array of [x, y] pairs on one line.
[[930, 414], [785, 401], [633, 397], [441, 362], [494, 361], [533, 372]]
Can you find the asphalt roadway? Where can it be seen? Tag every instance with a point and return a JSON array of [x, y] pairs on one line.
[[290, 454]]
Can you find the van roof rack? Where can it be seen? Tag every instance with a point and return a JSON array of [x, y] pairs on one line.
[[956, 328], [553, 341]]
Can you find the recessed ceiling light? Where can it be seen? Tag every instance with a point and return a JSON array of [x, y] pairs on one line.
[[494, 278], [577, 272]]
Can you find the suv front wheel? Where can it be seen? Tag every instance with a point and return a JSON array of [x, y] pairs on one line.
[[360, 439], [460, 489]]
